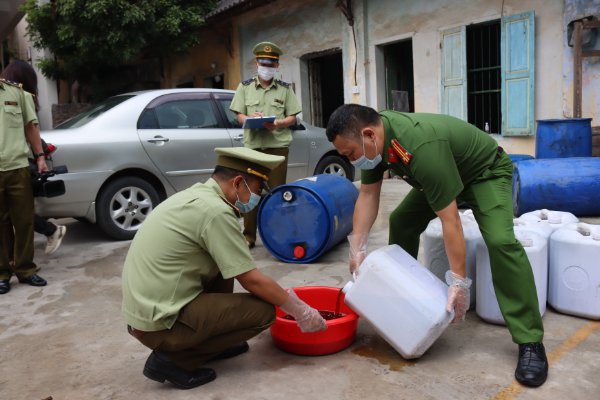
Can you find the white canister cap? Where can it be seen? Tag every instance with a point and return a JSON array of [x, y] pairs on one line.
[[554, 217]]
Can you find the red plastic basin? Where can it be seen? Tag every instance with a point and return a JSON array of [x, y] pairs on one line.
[[340, 332]]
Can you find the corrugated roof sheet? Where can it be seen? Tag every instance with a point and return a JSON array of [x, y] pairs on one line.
[[225, 5]]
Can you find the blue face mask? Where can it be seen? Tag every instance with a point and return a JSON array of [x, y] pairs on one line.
[[363, 162], [250, 205]]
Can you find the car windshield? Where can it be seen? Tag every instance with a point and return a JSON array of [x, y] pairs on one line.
[[96, 110]]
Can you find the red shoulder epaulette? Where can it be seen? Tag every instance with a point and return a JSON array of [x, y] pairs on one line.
[[404, 155]]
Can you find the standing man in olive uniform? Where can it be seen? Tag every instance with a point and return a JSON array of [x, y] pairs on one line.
[[445, 159], [18, 126], [178, 275], [264, 96]]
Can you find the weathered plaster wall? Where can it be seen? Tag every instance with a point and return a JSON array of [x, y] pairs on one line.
[[575, 9], [215, 54], [423, 21]]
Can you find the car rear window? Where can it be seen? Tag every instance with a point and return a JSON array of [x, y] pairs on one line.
[[96, 110]]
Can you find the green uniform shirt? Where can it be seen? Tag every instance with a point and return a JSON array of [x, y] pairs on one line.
[[184, 243], [447, 154], [17, 109], [277, 99]]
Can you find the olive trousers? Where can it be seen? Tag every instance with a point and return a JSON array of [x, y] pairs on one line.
[[16, 215], [490, 197], [211, 323], [276, 177]]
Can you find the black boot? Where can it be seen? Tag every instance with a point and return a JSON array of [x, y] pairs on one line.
[[532, 368], [159, 368]]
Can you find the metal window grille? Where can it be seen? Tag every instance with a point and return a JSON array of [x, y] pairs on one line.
[[484, 76]]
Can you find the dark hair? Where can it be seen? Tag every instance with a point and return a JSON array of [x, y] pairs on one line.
[[224, 174], [349, 119], [21, 72]]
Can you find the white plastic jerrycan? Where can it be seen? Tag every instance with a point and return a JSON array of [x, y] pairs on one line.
[[533, 225], [536, 248], [434, 256], [553, 219], [574, 272], [403, 300]]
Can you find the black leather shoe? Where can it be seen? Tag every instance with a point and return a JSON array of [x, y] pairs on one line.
[[532, 368], [4, 286], [34, 280], [233, 351], [159, 368]]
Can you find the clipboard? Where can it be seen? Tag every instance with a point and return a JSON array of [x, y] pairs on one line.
[[257, 123]]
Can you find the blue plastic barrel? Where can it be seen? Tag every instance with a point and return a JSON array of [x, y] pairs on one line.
[[561, 184], [559, 138], [520, 157], [301, 220]]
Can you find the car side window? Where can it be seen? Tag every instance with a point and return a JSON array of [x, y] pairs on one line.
[[232, 121], [184, 114]]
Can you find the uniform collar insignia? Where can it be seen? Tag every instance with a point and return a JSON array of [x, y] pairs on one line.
[[401, 152], [392, 157]]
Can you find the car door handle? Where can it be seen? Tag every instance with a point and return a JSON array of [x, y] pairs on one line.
[[239, 138], [158, 139]]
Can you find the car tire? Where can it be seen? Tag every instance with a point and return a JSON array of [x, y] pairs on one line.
[[123, 205], [337, 165]]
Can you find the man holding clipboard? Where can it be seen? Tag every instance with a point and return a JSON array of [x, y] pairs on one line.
[[266, 108]]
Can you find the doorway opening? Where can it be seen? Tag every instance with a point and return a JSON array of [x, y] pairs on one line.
[[484, 76], [399, 77], [326, 82]]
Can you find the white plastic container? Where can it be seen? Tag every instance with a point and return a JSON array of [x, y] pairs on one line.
[[574, 272], [403, 300], [536, 248], [554, 219], [533, 225], [434, 255]]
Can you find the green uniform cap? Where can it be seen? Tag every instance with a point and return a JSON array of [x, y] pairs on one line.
[[247, 160], [267, 50]]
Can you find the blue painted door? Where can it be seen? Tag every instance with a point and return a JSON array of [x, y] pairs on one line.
[[518, 74], [454, 73]]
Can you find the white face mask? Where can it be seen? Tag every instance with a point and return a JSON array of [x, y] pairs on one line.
[[266, 73]]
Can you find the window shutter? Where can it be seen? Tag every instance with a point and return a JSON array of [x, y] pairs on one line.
[[454, 72], [518, 74]]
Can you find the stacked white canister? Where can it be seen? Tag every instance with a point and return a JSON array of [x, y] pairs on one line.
[[563, 254]]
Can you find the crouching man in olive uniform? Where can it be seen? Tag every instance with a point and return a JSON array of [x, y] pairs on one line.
[[178, 295]]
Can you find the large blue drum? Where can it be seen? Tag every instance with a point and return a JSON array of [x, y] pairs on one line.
[[561, 184], [560, 138], [302, 220]]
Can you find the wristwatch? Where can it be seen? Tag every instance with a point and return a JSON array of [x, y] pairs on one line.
[[38, 155]]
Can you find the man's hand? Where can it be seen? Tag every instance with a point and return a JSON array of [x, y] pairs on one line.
[[459, 295], [272, 125], [308, 319], [358, 250], [41, 164]]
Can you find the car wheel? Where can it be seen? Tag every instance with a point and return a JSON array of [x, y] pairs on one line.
[[123, 205], [337, 165]]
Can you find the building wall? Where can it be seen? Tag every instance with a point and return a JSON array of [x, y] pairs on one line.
[[576, 9], [47, 89], [390, 20], [303, 28]]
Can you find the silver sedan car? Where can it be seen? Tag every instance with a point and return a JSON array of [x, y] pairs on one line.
[[130, 152]]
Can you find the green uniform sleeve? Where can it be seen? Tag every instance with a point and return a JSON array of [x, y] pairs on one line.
[[433, 166], [238, 104], [368, 176], [28, 109], [292, 107], [226, 245]]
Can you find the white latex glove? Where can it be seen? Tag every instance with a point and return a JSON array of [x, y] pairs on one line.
[[358, 250], [308, 319], [459, 295]]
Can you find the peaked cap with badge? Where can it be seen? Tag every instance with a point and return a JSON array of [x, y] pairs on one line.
[[247, 160], [267, 52]]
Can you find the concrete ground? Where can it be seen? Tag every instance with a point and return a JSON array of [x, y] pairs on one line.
[[68, 340]]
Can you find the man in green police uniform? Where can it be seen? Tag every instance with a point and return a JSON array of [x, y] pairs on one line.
[[178, 275], [18, 126], [263, 96], [445, 159]]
